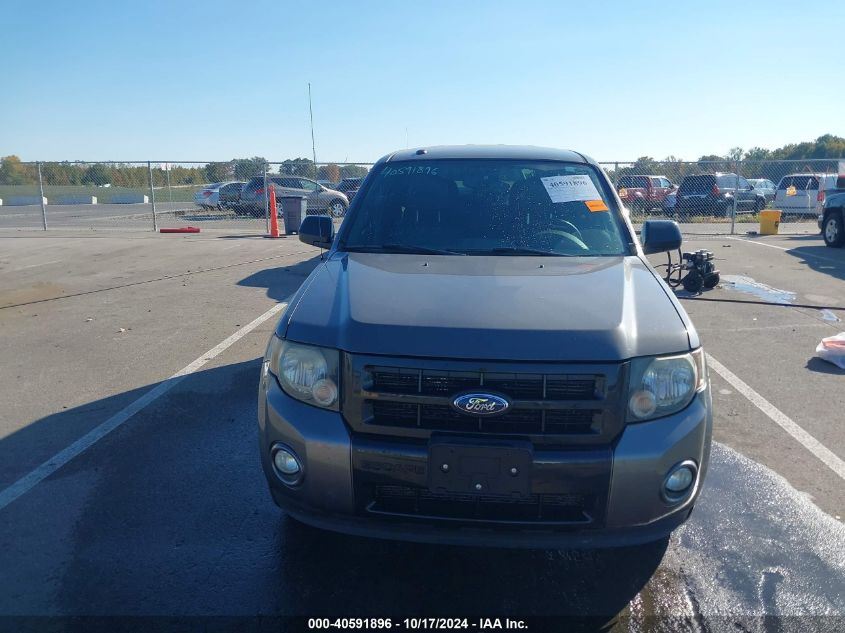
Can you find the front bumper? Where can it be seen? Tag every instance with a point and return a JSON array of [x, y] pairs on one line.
[[623, 479]]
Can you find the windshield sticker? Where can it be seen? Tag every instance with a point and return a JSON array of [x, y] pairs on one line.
[[570, 188], [596, 205], [410, 170]]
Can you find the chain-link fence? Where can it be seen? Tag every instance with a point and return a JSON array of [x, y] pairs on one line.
[[726, 196], [150, 195], [705, 197]]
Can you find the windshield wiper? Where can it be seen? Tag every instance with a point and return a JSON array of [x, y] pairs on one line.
[[400, 248], [518, 250]]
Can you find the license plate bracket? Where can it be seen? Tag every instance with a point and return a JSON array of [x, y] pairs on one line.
[[481, 469]]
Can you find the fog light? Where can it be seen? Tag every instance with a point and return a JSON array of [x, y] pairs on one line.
[[287, 464], [679, 480]]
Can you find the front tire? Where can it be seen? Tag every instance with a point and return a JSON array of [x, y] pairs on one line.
[[337, 208], [833, 231]]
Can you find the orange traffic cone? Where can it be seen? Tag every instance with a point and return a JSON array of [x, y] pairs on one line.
[[274, 216]]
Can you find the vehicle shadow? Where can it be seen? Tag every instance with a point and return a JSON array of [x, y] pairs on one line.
[[822, 259], [277, 280], [820, 366], [169, 514], [374, 577], [810, 249]]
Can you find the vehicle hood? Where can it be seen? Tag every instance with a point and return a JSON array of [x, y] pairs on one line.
[[487, 308]]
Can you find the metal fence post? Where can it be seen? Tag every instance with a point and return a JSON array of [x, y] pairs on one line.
[[266, 203], [43, 206], [152, 194], [736, 193], [169, 190]]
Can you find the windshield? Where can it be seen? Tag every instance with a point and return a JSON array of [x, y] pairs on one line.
[[483, 207]]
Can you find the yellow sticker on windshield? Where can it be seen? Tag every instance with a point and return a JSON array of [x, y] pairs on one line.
[[596, 205], [623, 193], [791, 190]]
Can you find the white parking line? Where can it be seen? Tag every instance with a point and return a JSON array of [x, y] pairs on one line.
[[34, 477], [54, 261], [794, 248], [806, 440]]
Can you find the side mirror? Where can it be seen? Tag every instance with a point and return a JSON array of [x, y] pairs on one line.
[[659, 236], [317, 230]]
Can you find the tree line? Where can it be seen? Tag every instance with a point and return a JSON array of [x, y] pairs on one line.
[[13, 171], [757, 162], [819, 156]]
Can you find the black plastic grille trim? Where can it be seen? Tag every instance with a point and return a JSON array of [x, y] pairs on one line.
[[400, 380], [516, 421], [536, 508]]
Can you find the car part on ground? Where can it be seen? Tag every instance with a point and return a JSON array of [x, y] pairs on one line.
[[832, 349], [701, 272]]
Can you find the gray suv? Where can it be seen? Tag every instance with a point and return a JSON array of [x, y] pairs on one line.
[[485, 357]]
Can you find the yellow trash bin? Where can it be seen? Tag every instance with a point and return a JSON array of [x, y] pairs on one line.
[[769, 222]]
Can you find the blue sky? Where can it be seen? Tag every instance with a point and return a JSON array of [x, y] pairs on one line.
[[178, 81]]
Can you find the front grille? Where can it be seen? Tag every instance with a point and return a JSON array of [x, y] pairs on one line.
[[400, 380], [420, 502], [438, 417], [550, 403]]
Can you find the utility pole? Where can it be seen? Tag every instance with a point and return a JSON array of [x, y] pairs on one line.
[[313, 146]]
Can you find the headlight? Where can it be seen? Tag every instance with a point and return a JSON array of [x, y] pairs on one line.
[[661, 386], [305, 372]]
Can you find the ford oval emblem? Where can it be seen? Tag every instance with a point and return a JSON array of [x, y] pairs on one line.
[[481, 404]]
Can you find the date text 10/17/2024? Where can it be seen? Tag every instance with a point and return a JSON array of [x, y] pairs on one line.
[[414, 624]]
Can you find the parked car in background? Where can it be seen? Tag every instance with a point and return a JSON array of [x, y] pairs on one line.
[[714, 194], [209, 197], [669, 203], [350, 186], [643, 192], [320, 200], [230, 194], [765, 187], [803, 194], [832, 217]]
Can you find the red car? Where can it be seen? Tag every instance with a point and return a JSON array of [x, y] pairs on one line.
[[643, 192]]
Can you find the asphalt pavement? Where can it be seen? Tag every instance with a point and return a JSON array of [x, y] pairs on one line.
[[167, 515]]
